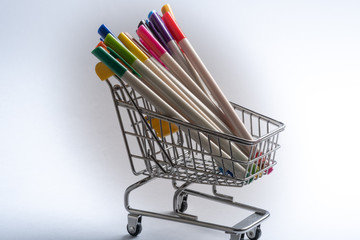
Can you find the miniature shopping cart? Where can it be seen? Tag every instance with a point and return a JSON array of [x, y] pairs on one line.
[[164, 147]]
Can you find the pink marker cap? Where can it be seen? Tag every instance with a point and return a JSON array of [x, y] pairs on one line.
[[146, 36], [151, 52]]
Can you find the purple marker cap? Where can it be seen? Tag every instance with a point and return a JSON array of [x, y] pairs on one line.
[[157, 35], [160, 26]]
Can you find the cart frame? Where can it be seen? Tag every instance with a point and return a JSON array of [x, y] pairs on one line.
[[186, 160]]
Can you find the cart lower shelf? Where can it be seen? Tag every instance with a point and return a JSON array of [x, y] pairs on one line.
[[249, 226]]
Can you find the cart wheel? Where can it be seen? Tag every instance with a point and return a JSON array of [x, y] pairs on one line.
[[183, 207], [184, 204], [134, 231], [254, 234], [134, 225]]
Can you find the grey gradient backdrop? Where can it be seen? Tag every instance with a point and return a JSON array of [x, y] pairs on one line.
[[63, 166]]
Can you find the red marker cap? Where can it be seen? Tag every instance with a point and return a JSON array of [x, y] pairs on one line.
[[173, 27]]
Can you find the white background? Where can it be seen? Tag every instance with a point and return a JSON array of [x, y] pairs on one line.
[[63, 165]]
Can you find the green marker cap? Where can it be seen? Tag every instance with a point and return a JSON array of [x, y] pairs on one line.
[[115, 55], [115, 44], [109, 61]]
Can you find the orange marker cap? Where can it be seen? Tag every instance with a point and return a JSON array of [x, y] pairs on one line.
[[102, 44], [166, 8]]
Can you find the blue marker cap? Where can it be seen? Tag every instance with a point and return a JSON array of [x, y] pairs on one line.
[[160, 26], [151, 13], [104, 30]]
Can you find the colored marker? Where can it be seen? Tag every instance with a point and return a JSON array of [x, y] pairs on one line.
[[158, 85], [143, 49], [161, 127], [231, 118], [146, 51], [263, 162], [176, 85], [157, 35], [171, 44], [119, 58], [103, 31], [102, 44], [170, 96], [103, 71], [154, 56], [143, 23], [167, 8], [122, 72], [175, 68], [116, 67]]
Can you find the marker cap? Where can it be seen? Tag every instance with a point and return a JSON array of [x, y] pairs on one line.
[[109, 61], [151, 52], [167, 8], [115, 44], [101, 44], [132, 47], [122, 61], [173, 27], [152, 29], [160, 26], [104, 30], [146, 36], [143, 23], [103, 71], [151, 13]]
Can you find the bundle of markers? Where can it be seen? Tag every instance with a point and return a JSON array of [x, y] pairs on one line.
[[164, 68]]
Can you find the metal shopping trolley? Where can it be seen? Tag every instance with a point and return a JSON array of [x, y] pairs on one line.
[[163, 147]]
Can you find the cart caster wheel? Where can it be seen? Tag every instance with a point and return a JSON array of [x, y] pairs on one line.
[[134, 225], [254, 234], [183, 207], [134, 231], [184, 204]]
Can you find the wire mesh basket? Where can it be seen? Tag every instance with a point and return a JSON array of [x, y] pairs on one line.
[[164, 147]]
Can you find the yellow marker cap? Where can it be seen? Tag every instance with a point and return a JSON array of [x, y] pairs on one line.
[[103, 71], [132, 47], [167, 8]]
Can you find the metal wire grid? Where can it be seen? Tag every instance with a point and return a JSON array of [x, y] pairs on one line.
[[178, 156]]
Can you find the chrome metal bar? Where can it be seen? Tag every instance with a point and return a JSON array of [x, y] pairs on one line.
[[144, 120], [227, 197], [243, 226]]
